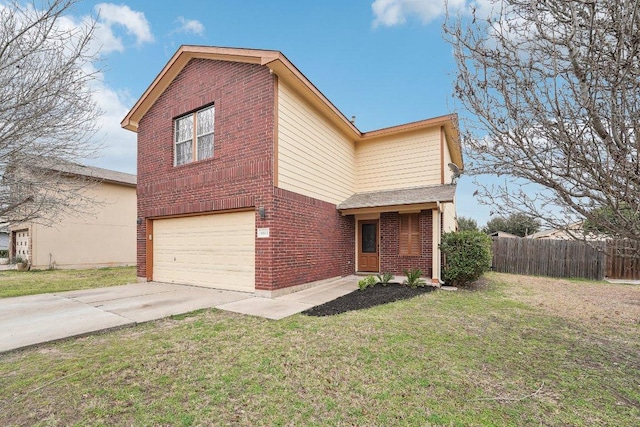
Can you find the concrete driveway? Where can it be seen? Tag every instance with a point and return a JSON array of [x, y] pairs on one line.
[[36, 319]]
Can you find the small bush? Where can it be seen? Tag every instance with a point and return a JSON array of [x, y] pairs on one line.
[[366, 282], [384, 278], [467, 255], [4, 253], [413, 279]]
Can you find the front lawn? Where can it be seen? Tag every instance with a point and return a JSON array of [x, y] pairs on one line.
[[499, 355], [17, 283]]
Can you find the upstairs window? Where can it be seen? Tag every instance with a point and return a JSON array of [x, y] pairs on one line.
[[193, 136], [410, 242]]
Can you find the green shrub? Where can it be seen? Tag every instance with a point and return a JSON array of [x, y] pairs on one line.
[[413, 279], [4, 253], [366, 282], [384, 278], [467, 254]]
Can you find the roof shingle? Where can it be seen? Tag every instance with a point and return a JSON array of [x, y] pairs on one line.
[[405, 196]]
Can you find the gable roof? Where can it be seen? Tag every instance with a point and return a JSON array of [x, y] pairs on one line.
[[285, 70], [554, 232], [104, 175], [99, 174]]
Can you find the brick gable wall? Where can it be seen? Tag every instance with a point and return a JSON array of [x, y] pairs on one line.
[[240, 175], [390, 259], [309, 240]]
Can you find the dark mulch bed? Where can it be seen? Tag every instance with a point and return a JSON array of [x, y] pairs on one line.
[[369, 297]]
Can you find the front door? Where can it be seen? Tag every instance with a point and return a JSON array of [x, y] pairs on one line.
[[368, 246]]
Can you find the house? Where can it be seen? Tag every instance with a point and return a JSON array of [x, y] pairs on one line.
[[503, 234], [555, 234], [571, 232], [4, 237], [103, 237], [250, 179]]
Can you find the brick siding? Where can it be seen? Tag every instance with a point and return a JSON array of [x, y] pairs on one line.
[[240, 175], [390, 259], [309, 239]]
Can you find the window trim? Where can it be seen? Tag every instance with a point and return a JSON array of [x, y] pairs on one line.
[[194, 135]]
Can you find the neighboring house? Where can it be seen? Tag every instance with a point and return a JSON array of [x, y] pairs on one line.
[[104, 237], [4, 237], [573, 231], [503, 234], [249, 178], [555, 234]]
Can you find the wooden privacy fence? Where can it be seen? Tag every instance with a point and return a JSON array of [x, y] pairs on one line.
[[621, 262], [553, 258]]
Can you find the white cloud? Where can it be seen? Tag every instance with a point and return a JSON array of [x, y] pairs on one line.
[[111, 15], [189, 26], [389, 13], [119, 145]]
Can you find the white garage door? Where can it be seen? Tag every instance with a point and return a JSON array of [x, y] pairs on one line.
[[216, 251]]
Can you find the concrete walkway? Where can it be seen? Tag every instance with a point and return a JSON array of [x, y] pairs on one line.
[[36, 319]]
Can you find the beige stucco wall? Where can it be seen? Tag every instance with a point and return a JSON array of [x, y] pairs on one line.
[[408, 160], [106, 237], [314, 158]]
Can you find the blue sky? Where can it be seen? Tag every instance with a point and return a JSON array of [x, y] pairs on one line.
[[383, 61]]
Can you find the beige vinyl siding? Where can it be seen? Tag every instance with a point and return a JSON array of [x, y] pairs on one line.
[[314, 158], [409, 160], [448, 217]]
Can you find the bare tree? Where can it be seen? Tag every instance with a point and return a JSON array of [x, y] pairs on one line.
[[47, 113], [553, 88]]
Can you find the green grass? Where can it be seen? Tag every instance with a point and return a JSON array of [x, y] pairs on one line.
[[466, 358], [17, 283]]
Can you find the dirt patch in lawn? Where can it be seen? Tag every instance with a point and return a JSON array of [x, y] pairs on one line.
[[588, 301], [366, 298]]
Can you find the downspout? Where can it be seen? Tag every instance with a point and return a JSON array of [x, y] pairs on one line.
[[436, 256]]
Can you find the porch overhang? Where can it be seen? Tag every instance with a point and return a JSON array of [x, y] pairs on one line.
[[403, 200]]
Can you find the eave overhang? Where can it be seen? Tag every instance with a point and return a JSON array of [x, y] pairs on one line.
[[449, 123], [287, 72], [274, 60]]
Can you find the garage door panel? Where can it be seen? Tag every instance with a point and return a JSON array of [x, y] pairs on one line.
[[213, 250]]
